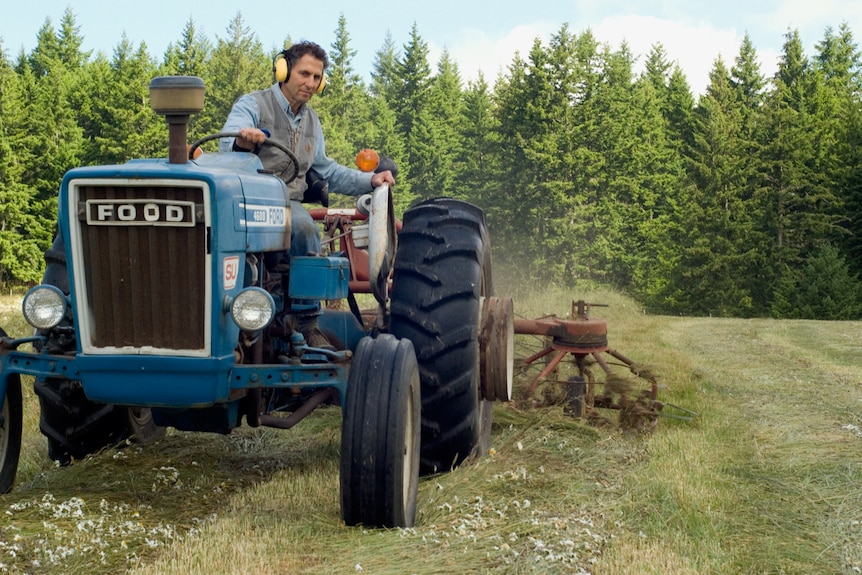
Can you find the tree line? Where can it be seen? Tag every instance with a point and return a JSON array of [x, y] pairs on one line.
[[743, 201]]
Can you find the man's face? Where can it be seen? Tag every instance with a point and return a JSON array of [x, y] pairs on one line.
[[305, 77]]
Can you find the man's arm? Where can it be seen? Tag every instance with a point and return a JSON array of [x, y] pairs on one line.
[[344, 180], [340, 179]]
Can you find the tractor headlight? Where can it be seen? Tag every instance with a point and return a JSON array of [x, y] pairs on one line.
[[44, 306], [253, 309]]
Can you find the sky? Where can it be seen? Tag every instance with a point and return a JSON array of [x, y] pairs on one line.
[[479, 35]]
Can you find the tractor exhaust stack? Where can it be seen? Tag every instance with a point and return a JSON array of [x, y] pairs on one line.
[[177, 98]]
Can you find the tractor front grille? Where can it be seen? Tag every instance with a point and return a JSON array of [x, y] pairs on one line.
[[143, 254]]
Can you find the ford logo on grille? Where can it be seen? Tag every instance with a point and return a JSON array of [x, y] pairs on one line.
[[143, 212]]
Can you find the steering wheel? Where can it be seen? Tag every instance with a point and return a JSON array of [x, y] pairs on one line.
[[287, 176]]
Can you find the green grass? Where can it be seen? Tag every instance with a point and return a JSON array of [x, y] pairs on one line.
[[765, 480]]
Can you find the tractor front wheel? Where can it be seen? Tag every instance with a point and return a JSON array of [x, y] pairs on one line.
[[11, 418], [380, 435]]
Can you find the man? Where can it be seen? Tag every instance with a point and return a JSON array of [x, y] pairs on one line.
[[283, 111]]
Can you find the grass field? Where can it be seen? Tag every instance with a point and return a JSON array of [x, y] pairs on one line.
[[766, 479]]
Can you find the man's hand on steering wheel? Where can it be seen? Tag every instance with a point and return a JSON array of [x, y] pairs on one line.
[[250, 138], [254, 135]]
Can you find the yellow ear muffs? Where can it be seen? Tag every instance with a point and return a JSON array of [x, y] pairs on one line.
[[281, 69]]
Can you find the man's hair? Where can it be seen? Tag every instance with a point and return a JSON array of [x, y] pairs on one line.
[[300, 49]]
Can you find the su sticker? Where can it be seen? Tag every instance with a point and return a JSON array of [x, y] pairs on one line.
[[231, 271]]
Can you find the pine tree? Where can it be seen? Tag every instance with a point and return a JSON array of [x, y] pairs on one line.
[[839, 61], [801, 202], [480, 170], [384, 74], [446, 111], [238, 65], [383, 132], [655, 175], [344, 107], [623, 199], [680, 108], [119, 123], [528, 155], [20, 248], [47, 51], [823, 289], [69, 41], [511, 201], [715, 233], [189, 56], [56, 143], [759, 272], [411, 104], [853, 188]]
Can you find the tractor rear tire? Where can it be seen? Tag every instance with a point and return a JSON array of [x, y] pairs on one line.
[[75, 426], [442, 269], [11, 420], [380, 435]]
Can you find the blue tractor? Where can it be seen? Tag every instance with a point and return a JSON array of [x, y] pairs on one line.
[[167, 301]]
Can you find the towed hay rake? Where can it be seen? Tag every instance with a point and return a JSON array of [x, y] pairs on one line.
[[596, 378]]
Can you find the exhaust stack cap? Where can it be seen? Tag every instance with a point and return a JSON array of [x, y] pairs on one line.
[[177, 95]]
